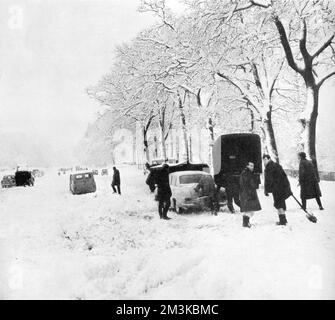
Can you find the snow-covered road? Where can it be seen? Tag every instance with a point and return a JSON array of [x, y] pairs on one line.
[[54, 245]]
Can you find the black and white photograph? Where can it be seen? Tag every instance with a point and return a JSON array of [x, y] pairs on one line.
[[167, 150]]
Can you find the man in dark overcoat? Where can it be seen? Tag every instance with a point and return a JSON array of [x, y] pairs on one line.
[[116, 182], [276, 182], [163, 192], [308, 181], [248, 194]]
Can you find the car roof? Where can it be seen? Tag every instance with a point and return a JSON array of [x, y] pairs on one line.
[[81, 172], [190, 172]]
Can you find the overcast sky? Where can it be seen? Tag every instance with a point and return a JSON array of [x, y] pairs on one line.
[[50, 51]]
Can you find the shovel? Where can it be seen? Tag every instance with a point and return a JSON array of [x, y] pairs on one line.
[[310, 216]]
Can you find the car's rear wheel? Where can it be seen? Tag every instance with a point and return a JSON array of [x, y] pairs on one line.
[[180, 210], [176, 208]]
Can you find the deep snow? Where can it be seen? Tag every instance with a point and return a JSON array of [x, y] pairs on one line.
[[54, 245]]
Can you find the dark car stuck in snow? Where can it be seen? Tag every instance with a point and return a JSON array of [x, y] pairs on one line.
[[81, 183], [8, 181]]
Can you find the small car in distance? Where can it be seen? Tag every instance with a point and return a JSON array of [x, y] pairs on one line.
[[104, 172], [8, 181], [184, 196], [95, 172], [37, 173], [81, 183]]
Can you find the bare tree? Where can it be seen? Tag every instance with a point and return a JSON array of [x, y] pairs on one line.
[[306, 68], [166, 115]]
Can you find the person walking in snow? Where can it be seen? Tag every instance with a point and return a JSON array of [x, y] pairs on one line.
[[163, 192], [248, 194], [308, 181], [276, 182], [116, 182]]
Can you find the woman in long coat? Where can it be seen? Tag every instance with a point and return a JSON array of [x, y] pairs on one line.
[[309, 185], [248, 194]]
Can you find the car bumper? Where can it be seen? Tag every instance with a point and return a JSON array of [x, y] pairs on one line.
[[197, 203]]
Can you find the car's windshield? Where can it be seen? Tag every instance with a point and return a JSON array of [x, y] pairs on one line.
[[190, 178]]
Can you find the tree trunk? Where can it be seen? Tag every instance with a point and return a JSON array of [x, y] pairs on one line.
[[156, 147], [184, 130], [264, 147], [252, 121], [210, 141], [269, 135], [162, 125], [308, 122], [190, 152], [146, 145], [163, 143]]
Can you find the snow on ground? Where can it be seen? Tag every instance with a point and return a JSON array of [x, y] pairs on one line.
[[54, 245]]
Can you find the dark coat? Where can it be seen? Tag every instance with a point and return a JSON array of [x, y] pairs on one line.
[[163, 185], [248, 192], [276, 182], [116, 177], [231, 181], [207, 186], [309, 186], [150, 181]]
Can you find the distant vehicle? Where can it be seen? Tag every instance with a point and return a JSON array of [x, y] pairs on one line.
[[8, 181], [95, 172], [24, 178], [37, 173], [62, 171], [231, 154], [79, 168], [184, 196], [81, 183], [104, 172]]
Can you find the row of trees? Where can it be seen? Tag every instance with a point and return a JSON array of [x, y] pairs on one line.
[[266, 57]]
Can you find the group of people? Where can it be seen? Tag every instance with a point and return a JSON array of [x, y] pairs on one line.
[[277, 183], [243, 189], [244, 192]]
